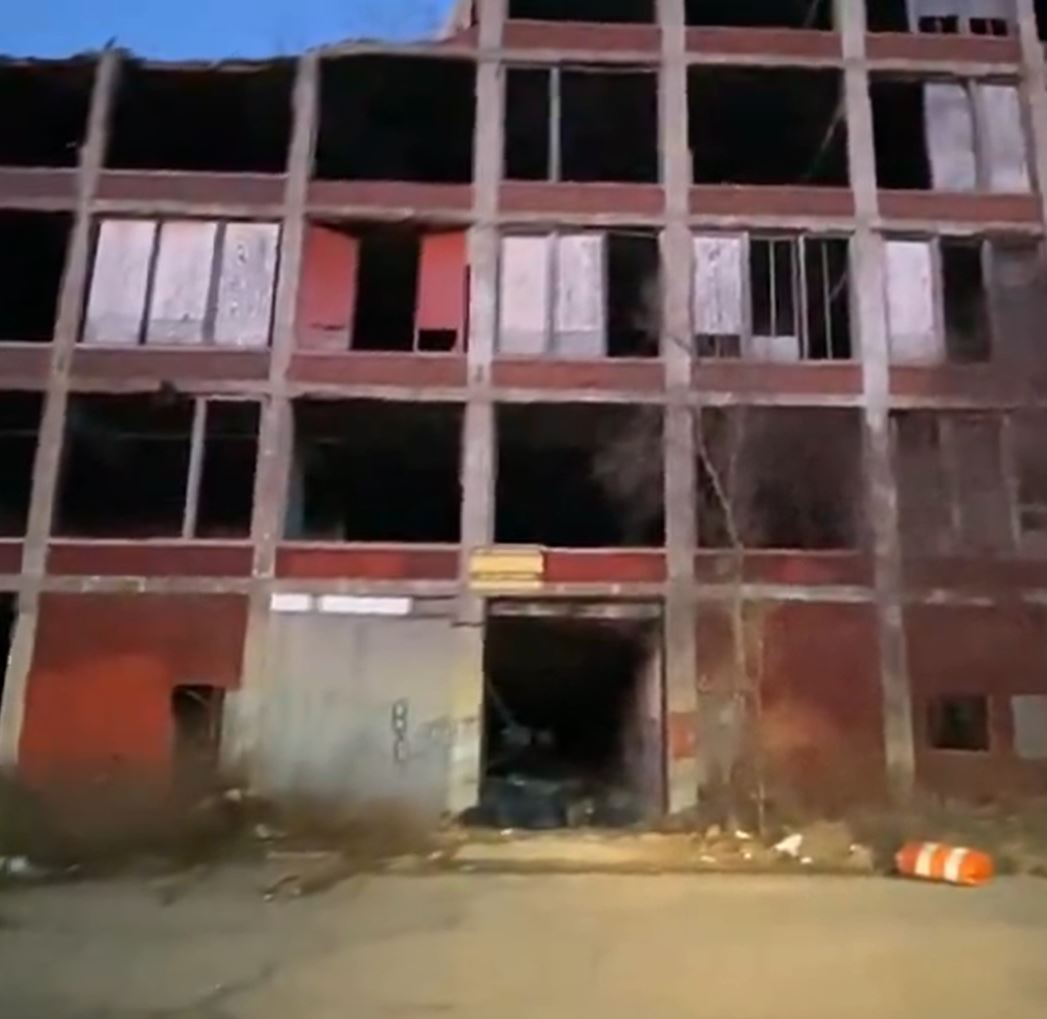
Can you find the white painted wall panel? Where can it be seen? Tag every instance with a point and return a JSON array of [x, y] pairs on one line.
[[910, 303], [247, 283], [1005, 149], [580, 323], [182, 283], [949, 123], [116, 305], [523, 314], [1030, 727], [719, 263], [773, 348]]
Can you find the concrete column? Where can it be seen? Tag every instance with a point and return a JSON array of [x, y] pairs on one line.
[[52, 424], [1034, 89], [682, 707], [276, 430], [478, 439], [870, 327]]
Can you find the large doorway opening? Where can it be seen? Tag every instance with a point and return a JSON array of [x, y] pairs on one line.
[[573, 716]]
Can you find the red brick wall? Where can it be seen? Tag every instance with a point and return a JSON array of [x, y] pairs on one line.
[[999, 651], [98, 699]]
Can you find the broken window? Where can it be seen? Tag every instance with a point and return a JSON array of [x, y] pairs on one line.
[[19, 430], [579, 476], [767, 126], [941, 17], [32, 265], [375, 471], [44, 107], [607, 11], [231, 119], [958, 722], [182, 282], [573, 727], [383, 288], [196, 712], [949, 135], [772, 298], [157, 466], [779, 478], [953, 490], [817, 14], [966, 301], [396, 119], [579, 296], [582, 124]]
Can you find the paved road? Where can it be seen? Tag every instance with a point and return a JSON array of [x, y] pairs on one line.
[[540, 947]]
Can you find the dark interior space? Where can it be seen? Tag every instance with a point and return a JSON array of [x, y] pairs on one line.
[[1041, 18], [386, 291], [887, 15], [226, 120], [767, 126], [958, 723], [125, 466], [815, 14], [967, 332], [230, 454], [951, 24], [609, 126], [19, 430], [527, 123], [196, 712], [372, 470], [827, 299], [633, 295], [8, 613], [44, 108], [609, 11], [570, 737], [32, 265], [783, 478], [774, 285], [396, 119], [899, 134], [579, 476], [924, 499]]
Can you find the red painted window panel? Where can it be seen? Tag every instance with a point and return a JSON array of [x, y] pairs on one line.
[[442, 285], [328, 289]]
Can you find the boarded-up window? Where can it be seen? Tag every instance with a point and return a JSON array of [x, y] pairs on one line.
[[1030, 726], [580, 328], [524, 295], [950, 137], [910, 302], [1004, 149], [182, 282], [719, 299]]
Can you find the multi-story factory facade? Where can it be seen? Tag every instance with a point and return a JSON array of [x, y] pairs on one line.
[[641, 398]]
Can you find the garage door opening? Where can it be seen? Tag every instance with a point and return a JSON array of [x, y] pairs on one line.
[[572, 717]]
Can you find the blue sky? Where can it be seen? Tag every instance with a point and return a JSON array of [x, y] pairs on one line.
[[181, 29]]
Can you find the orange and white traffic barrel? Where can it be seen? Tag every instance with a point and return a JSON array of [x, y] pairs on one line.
[[934, 861]]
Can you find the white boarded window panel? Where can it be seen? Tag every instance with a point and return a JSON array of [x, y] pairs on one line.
[[580, 327], [1005, 148], [524, 295], [910, 303], [182, 283], [773, 348], [245, 289], [116, 305], [950, 137], [1030, 727], [718, 295]]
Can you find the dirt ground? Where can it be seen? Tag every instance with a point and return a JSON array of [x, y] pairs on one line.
[[550, 946]]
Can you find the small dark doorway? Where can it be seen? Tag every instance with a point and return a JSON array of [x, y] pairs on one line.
[[196, 711], [573, 719], [8, 612]]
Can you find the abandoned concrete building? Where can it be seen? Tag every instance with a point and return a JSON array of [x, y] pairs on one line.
[[643, 398]]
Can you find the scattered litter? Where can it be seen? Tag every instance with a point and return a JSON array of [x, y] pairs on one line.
[[790, 845], [706, 858], [807, 861], [20, 867], [743, 836]]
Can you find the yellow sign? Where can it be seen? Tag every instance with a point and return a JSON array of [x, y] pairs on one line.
[[510, 568]]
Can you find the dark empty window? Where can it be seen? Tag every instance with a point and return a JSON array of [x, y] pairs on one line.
[[967, 333], [19, 431], [43, 109], [767, 126], [231, 121], [900, 134], [612, 11], [396, 119], [887, 15], [371, 471], [229, 454], [32, 264], [528, 110], [387, 286], [197, 715], [958, 723], [761, 13]]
